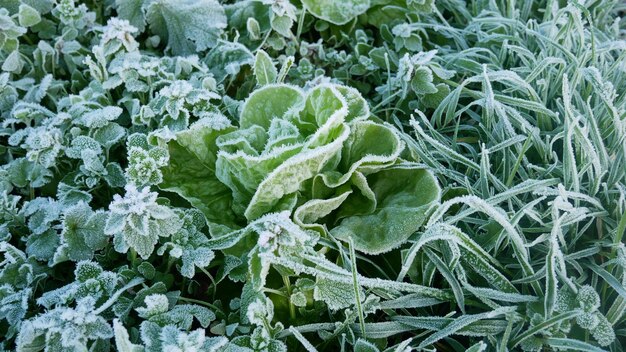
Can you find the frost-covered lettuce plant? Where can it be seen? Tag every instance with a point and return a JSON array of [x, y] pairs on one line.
[[315, 154]]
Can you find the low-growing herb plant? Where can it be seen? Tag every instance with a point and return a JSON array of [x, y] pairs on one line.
[[274, 175]]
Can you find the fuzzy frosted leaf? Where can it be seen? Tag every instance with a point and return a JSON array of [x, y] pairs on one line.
[[588, 298], [109, 135], [565, 300], [189, 245], [65, 328], [28, 16], [365, 346], [188, 26], [13, 304], [264, 69], [133, 12], [587, 321], [122, 340], [337, 12], [138, 221], [358, 108], [83, 232], [603, 332], [155, 304], [228, 58], [336, 295], [86, 270], [298, 299], [99, 117]]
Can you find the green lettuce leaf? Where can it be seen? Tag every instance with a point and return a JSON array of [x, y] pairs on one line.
[[191, 173], [405, 195]]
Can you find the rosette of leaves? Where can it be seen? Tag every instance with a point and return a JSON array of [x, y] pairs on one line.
[[91, 281], [260, 313], [591, 319], [175, 103], [581, 307], [94, 166], [383, 12], [65, 328], [137, 221], [144, 161], [307, 153], [189, 245], [82, 234], [420, 76], [19, 276], [167, 327], [42, 216], [75, 327], [10, 217], [43, 144], [282, 15], [406, 36]]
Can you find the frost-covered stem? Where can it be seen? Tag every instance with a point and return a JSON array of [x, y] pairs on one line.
[[213, 283], [134, 282], [197, 301], [292, 308], [170, 262], [619, 234], [284, 70], [300, 25], [149, 80], [388, 65], [518, 162], [357, 293], [263, 42], [307, 345], [133, 256], [28, 60], [439, 15], [386, 100], [306, 328], [28, 40], [276, 292], [345, 277]]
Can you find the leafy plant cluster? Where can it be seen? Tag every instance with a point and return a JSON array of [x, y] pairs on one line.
[[273, 175]]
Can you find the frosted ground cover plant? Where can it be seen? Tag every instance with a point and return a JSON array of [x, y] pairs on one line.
[[275, 175]]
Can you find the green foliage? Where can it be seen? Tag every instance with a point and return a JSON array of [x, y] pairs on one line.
[[189, 26], [336, 12], [137, 221], [276, 175]]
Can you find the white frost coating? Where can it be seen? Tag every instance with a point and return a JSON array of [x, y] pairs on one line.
[[270, 190], [496, 214], [138, 202], [337, 12], [328, 270], [442, 232], [155, 304], [121, 30]]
